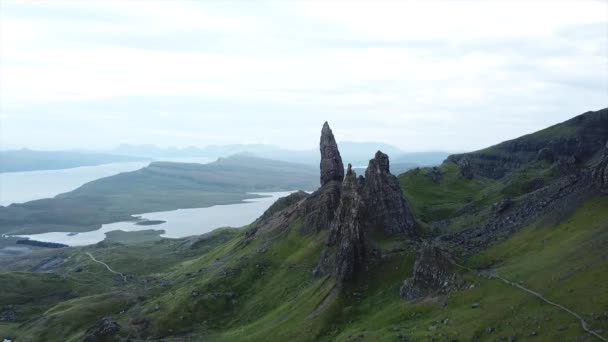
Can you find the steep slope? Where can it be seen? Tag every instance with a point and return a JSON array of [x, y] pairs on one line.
[[575, 141]]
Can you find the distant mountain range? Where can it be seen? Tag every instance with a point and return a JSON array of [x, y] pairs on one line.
[[356, 153], [28, 160]]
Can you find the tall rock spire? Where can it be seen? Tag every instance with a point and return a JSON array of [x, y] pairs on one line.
[[389, 211], [332, 168], [347, 230]]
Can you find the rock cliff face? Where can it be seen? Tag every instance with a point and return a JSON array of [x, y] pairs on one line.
[[432, 273], [332, 168], [347, 231], [579, 138], [388, 211], [320, 207]]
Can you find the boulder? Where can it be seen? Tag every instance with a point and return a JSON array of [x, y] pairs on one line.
[[432, 273], [103, 330]]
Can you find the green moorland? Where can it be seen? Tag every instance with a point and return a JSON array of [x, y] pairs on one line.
[[221, 288], [230, 285], [160, 186]]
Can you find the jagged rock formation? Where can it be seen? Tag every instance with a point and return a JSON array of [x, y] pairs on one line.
[[332, 168], [352, 209], [432, 273], [320, 208], [349, 207], [387, 208], [347, 231]]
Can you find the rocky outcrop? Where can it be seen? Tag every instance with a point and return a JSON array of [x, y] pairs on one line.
[[464, 166], [432, 273], [320, 207], [281, 204], [278, 216], [435, 175], [553, 201], [580, 137], [347, 231], [388, 211], [103, 330], [332, 168]]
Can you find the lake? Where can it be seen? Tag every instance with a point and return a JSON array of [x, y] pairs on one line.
[[179, 223], [20, 187]]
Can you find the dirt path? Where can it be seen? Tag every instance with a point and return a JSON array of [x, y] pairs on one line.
[[494, 274], [124, 277]]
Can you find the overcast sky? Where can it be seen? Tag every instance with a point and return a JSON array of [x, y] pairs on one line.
[[426, 75]]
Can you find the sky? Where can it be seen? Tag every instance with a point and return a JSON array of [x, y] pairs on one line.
[[428, 75]]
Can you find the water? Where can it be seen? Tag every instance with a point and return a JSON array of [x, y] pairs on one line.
[[180, 223], [19, 187]]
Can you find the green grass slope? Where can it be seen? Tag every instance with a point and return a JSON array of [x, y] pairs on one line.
[[224, 289]]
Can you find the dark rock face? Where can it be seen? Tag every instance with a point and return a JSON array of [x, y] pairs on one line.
[[464, 165], [387, 209], [280, 215], [320, 207], [103, 330], [332, 168], [347, 231], [432, 273]]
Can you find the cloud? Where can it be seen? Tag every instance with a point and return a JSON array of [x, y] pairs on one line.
[[415, 74]]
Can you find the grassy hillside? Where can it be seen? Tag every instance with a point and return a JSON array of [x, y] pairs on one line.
[[256, 283], [222, 288]]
